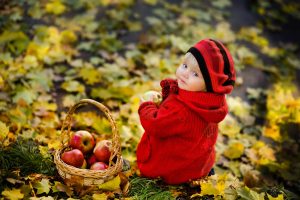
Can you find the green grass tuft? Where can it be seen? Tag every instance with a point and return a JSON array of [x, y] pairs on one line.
[[148, 189]]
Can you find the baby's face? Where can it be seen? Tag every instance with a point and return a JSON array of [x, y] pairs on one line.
[[189, 76]]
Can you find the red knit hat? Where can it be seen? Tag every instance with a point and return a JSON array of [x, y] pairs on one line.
[[216, 65]]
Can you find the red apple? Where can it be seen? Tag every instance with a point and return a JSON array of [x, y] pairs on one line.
[[74, 157], [82, 140], [99, 166], [91, 160], [102, 150]]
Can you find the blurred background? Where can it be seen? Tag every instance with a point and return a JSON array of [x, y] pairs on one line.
[[54, 53]]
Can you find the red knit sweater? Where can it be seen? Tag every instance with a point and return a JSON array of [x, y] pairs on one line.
[[180, 134]]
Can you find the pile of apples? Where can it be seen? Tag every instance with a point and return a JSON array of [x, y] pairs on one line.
[[85, 153]]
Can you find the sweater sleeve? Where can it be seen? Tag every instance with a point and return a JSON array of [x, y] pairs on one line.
[[168, 86], [165, 121]]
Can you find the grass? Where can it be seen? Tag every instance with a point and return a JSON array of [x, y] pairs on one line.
[[148, 189]]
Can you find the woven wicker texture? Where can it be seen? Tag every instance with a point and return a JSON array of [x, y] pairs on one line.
[[87, 177]]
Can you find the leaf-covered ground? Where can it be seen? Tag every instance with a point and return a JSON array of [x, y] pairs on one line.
[[54, 53]]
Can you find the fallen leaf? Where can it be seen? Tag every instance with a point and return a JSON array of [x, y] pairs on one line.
[[279, 197], [101, 196], [234, 150], [248, 194], [73, 86], [90, 75], [60, 187], [42, 186], [55, 7], [111, 185], [3, 130], [13, 194]]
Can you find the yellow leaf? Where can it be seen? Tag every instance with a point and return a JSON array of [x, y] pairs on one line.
[[248, 194], [101, 196], [151, 2], [106, 2], [209, 189], [111, 185], [134, 26], [215, 185], [42, 186], [38, 50], [258, 145], [68, 36], [56, 7], [179, 42], [53, 35], [13, 194], [261, 154], [279, 197], [1, 82], [230, 127], [267, 153], [30, 62], [56, 144], [245, 55], [3, 130], [272, 132], [224, 32], [73, 86], [235, 150], [90, 75]]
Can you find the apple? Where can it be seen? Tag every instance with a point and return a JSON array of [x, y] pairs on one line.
[[92, 159], [74, 157], [102, 150], [82, 140], [152, 95], [99, 166]]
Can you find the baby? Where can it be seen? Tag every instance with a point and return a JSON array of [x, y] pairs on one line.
[[181, 132]]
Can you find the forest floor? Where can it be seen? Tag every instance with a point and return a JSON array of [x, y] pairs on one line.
[[55, 53]]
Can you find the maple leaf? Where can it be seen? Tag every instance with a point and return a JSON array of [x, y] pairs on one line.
[[248, 194], [26, 94], [42, 186], [90, 75], [13, 194], [60, 187]]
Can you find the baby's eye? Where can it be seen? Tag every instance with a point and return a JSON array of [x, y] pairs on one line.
[[195, 74], [184, 66]]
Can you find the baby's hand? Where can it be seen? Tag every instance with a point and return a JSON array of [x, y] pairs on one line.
[[153, 96]]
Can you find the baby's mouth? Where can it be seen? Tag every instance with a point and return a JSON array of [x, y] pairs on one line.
[[181, 81]]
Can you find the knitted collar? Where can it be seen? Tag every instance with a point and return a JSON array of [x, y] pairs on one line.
[[211, 106]]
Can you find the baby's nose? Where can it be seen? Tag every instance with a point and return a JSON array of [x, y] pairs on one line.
[[185, 73]]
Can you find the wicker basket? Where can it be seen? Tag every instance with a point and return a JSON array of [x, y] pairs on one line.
[[84, 177]]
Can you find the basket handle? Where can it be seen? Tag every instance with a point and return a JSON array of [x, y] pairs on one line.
[[66, 127]]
